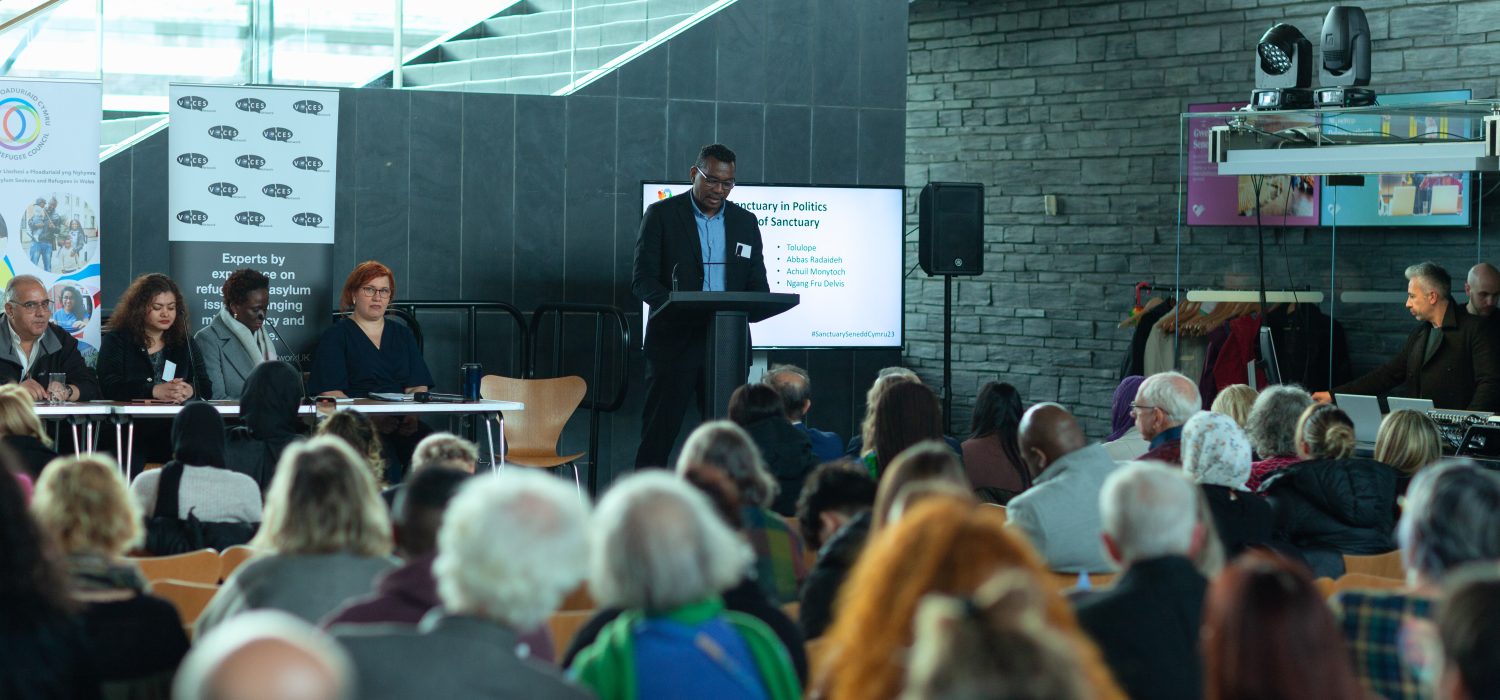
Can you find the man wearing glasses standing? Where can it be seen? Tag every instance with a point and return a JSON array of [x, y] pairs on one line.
[[697, 241], [34, 348]]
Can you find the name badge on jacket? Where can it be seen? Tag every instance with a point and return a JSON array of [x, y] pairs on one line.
[[743, 250]]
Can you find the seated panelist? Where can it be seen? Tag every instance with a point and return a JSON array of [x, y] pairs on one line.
[[146, 352], [34, 348], [236, 341]]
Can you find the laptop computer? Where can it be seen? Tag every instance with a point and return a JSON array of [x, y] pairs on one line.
[[1398, 403], [1444, 199], [1365, 412]]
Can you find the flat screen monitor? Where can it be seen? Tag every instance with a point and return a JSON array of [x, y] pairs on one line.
[[840, 248]]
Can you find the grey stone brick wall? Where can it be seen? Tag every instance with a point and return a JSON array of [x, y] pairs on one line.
[[1080, 99]]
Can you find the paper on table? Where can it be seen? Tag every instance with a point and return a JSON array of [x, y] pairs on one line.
[[168, 371], [389, 396]]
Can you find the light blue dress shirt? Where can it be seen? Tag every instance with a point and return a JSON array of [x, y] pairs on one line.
[[711, 241]]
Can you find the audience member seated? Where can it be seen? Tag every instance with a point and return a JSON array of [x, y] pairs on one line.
[[135, 639], [1236, 401], [945, 545], [1147, 624], [265, 655], [787, 452], [1408, 440], [884, 379], [1268, 634], [444, 450], [1332, 503], [1162, 405], [193, 501], [745, 597], [992, 454], [325, 538], [358, 431], [46, 652], [833, 514], [795, 388], [269, 402], [660, 553], [1469, 632], [235, 342], [779, 562], [511, 547], [1273, 430], [1124, 441], [904, 414], [925, 461], [1059, 514], [1216, 454], [1451, 519], [995, 644], [21, 430], [33, 347]]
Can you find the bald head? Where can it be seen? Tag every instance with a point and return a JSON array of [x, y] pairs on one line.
[[264, 655], [272, 669], [1048, 433], [1483, 288]]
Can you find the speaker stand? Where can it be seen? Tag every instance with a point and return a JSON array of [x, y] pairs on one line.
[[948, 353]]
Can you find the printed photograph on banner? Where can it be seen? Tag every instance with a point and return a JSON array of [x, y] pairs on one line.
[[59, 233]]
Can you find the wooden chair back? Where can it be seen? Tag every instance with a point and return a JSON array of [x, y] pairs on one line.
[[201, 566], [1386, 565], [579, 599], [231, 559], [188, 597], [532, 434], [564, 627]]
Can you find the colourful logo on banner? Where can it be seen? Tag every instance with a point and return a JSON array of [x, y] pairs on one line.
[[20, 124], [663, 193]]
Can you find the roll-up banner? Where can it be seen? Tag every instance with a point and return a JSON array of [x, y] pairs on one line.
[[49, 205], [252, 185]]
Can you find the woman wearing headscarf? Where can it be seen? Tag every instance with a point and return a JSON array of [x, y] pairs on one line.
[[268, 409], [1124, 441], [197, 483], [1216, 454]]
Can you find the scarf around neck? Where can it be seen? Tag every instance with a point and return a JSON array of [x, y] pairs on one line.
[[257, 345]]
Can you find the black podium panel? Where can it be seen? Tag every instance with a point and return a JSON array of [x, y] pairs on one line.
[[728, 316]]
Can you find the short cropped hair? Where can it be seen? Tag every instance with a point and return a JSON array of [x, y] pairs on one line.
[[1272, 426], [1468, 625], [84, 503], [323, 500], [195, 677], [1168, 391], [242, 283], [1451, 518], [840, 487], [1149, 511], [419, 507], [1431, 278], [753, 403], [657, 544], [15, 283], [716, 151], [445, 449], [725, 446], [512, 545], [793, 384]]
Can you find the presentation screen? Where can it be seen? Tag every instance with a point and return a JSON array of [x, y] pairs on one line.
[[840, 248]]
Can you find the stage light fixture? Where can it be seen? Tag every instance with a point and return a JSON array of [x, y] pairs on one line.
[[1283, 70], [1344, 59]]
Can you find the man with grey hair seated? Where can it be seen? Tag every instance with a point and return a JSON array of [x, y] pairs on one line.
[[511, 547], [1450, 357], [34, 347], [264, 655], [1162, 405], [1147, 624], [795, 388]]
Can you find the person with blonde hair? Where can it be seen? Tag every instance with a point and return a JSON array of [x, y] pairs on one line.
[[1235, 401], [136, 639], [325, 537], [944, 545], [359, 432], [1408, 440], [445, 450], [21, 430], [924, 461]]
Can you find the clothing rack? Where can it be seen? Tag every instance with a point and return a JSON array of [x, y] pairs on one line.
[[1240, 295]]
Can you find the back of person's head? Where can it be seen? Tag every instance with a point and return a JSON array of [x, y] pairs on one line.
[[419, 508], [31, 577], [1236, 401], [1267, 633], [753, 403], [359, 433], [832, 492], [512, 546], [18, 414], [794, 386], [323, 500], [905, 415], [1274, 418], [997, 414], [1172, 392], [721, 492], [1048, 433], [915, 492], [1215, 451], [657, 545], [1451, 518], [445, 450], [1408, 440], [1468, 626], [884, 380], [725, 446], [1148, 511], [264, 655], [995, 645], [198, 435], [83, 502], [1324, 431], [272, 396], [930, 459]]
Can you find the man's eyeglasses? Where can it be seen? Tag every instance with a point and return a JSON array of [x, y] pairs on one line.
[[1138, 408], [376, 292], [44, 305], [716, 182]]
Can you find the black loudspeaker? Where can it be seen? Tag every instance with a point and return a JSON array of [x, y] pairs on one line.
[[951, 238]]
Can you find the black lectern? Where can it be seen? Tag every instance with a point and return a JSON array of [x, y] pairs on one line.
[[727, 317]]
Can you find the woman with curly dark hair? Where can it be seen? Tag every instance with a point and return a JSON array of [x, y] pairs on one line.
[[236, 341], [147, 330]]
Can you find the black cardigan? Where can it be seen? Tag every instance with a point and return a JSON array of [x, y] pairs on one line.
[[125, 372]]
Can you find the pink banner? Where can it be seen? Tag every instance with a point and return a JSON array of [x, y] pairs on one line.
[[1229, 200]]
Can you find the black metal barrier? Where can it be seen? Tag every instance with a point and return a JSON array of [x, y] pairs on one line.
[[591, 400]]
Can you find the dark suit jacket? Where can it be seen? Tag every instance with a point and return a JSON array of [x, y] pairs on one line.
[[1147, 627], [1464, 372], [125, 371], [668, 241], [59, 353], [826, 446]]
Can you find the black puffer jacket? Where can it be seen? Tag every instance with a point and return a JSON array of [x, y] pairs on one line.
[[788, 456], [834, 562], [1336, 505]]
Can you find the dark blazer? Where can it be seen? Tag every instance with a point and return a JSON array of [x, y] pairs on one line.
[[125, 372], [668, 242], [1147, 626], [1464, 372], [788, 457], [59, 353], [826, 446]]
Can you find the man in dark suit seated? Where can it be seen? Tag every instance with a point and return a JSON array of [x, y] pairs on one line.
[[795, 388], [1449, 357], [696, 241], [1147, 623]]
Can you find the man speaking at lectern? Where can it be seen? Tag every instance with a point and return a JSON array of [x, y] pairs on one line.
[[698, 241]]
